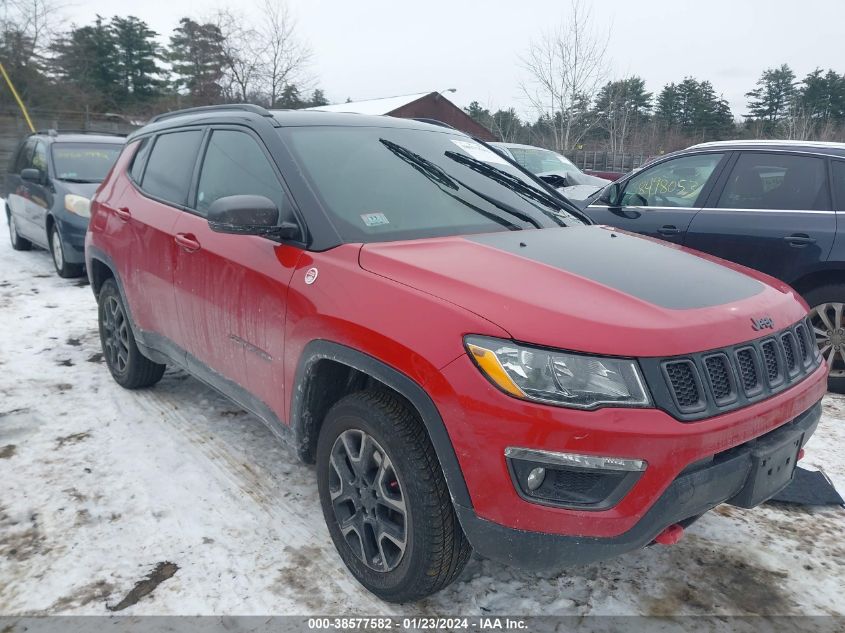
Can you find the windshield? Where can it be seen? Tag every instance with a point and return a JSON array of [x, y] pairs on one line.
[[540, 161], [84, 162], [381, 184]]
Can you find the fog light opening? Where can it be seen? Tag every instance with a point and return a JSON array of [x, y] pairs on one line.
[[536, 478]]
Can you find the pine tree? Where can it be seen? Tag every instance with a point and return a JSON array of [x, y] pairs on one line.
[[198, 60], [137, 59], [773, 97]]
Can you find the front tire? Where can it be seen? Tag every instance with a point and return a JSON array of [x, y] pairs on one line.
[[129, 368], [385, 499], [57, 250], [827, 304], [18, 243]]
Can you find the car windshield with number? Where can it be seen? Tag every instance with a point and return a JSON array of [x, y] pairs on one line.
[[84, 162], [381, 184]]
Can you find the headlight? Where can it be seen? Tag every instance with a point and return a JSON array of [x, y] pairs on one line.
[[78, 205], [561, 378]]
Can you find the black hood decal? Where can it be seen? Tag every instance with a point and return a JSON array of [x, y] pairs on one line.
[[642, 268]]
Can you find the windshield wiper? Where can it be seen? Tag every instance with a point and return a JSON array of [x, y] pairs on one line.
[[435, 173], [442, 179], [515, 184]]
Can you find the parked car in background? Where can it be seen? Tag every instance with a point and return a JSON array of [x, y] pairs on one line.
[[555, 169], [48, 187], [769, 205], [468, 361]]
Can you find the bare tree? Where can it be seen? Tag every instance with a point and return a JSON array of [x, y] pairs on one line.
[[242, 55], [283, 57], [566, 66]]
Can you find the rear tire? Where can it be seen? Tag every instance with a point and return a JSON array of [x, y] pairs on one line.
[[18, 243], [57, 251], [827, 312], [388, 510], [129, 368]]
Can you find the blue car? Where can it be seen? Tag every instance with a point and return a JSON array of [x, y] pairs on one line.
[[48, 189]]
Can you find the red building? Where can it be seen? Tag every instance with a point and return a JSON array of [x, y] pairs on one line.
[[424, 105]]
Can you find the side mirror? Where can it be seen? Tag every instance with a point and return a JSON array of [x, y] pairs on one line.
[[612, 195], [30, 174], [250, 215], [555, 180]]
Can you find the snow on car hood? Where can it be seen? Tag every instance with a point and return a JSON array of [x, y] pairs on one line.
[[591, 289]]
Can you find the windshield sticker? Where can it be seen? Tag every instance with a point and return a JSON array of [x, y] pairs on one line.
[[374, 219], [479, 152]]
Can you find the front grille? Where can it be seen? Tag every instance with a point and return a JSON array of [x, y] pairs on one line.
[[684, 384], [747, 361], [789, 352], [719, 375], [709, 383], [803, 345], [770, 356]]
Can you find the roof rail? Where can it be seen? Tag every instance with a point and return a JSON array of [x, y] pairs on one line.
[[435, 122], [55, 132], [242, 107]]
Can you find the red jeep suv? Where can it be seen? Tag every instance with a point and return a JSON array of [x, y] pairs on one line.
[[468, 362]]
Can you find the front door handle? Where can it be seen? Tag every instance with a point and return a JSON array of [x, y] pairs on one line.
[[668, 229], [799, 239], [187, 242]]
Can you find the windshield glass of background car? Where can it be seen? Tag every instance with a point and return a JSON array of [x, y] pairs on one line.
[[88, 162], [381, 184], [540, 161]]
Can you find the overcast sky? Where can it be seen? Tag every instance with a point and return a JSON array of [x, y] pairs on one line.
[[375, 48]]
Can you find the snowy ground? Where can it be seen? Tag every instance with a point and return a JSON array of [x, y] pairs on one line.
[[99, 486]]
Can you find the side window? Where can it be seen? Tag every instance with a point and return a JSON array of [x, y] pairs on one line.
[[675, 183], [171, 165], [234, 165], [838, 168], [776, 181], [140, 158], [24, 155], [39, 156]]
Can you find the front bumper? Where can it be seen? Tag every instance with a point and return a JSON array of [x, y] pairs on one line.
[[482, 423], [72, 229], [728, 477]]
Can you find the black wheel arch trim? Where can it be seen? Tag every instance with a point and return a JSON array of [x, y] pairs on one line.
[[320, 349]]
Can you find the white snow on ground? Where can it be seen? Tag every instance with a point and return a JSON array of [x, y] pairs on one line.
[[98, 485]]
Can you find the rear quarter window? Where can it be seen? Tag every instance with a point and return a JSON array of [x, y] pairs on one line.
[[171, 165]]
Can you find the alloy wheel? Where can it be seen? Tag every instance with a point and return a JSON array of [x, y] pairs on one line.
[[116, 334], [368, 500], [829, 329]]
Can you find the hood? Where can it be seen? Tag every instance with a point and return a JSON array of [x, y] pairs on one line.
[[575, 178], [591, 289], [580, 194], [86, 189]]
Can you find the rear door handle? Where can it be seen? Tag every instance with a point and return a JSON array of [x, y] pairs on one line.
[[668, 229], [123, 213], [799, 239], [187, 242]]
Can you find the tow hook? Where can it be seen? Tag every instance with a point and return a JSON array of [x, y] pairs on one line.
[[670, 535]]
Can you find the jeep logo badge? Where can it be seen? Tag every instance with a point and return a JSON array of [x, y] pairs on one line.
[[762, 323]]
